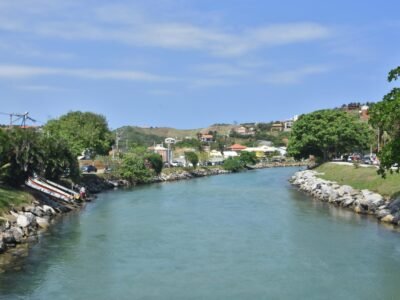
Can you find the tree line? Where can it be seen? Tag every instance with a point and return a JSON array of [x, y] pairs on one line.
[[327, 133]]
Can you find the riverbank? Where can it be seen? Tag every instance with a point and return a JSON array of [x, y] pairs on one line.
[[361, 201]]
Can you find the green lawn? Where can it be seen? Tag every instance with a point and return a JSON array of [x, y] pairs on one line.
[[11, 197], [361, 178]]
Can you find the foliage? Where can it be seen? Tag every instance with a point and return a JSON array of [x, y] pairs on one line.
[[189, 143], [155, 161], [249, 158], [192, 158], [233, 164], [133, 135], [385, 116], [327, 132], [133, 169], [82, 131], [28, 152]]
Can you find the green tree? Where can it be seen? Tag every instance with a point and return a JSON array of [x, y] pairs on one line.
[[82, 131], [133, 169], [385, 117], [327, 132], [155, 161], [248, 158], [192, 158], [233, 164]]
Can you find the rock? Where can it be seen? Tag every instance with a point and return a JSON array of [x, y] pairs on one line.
[[23, 221], [48, 210], [37, 211], [18, 234], [373, 200], [347, 201], [388, 219], [26, 219], [394, 206], [345, 189], [382, 213], [42, 222], [3, 246]]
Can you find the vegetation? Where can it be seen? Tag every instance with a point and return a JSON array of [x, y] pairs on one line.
[[192, 158], [248, 158], [233, 164], [189, 143], [385, 117], [10, 197], [361, 178], [327, 132], [27, 151], [155, 161], [133, 169], [82, 131]]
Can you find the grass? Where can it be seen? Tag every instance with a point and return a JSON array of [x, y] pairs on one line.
[[362, 178], [10, 197]]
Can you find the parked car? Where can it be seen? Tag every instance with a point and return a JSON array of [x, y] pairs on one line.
[[367, 160], [88, 169]]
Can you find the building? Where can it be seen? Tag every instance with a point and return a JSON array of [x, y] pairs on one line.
[[237, 147], [242, 130], [364, 116], [165, 153], [277, 127], [206, 138]]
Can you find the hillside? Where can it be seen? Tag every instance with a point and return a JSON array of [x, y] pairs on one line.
[[151, 135]]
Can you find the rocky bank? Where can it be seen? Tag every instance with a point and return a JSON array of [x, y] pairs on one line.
[[360, 201]]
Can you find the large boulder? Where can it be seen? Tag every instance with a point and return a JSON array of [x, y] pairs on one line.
[[42, 222], [13, 235], [48, 210], [388, 219], [26, 219], [394, 206], [382, 213]]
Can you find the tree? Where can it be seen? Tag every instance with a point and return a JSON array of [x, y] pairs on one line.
[[192, 158], [233, 164], [155, 161], [385, 117], [133, 169], [82, 131], [248, 157], [327, 132], [27, 152]]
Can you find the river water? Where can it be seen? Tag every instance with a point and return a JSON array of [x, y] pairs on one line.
[[239, 236]]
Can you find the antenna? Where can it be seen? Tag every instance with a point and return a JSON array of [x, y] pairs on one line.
[[15, 117]]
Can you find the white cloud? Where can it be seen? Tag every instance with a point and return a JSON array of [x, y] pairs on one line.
[[296, 75], [21, 71], [125, 25]]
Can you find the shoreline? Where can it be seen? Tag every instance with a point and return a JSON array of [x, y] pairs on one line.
[[23, 228], [363, 202]]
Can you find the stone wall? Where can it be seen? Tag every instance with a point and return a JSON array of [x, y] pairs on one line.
[[360, 201]]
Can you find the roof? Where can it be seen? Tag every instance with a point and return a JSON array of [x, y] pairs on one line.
[[237, 147], [207, 136]]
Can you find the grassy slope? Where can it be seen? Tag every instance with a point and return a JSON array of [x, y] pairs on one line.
[[12, 198], [362, 178]]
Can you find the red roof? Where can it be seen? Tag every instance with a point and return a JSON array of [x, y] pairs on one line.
[[237, 147]]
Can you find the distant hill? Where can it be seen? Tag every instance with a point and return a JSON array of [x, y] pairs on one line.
[[149, 136]]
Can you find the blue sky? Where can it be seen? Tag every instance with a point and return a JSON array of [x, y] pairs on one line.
[[188, 63]]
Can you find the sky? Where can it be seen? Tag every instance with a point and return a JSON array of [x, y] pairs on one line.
[[193, 63]]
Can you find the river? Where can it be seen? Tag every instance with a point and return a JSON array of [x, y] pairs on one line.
[[241, 236]]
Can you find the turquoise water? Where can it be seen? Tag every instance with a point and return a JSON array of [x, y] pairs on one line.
[[240, 236]]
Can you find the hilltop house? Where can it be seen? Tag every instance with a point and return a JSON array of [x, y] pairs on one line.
[[206, 138], [242, 130]]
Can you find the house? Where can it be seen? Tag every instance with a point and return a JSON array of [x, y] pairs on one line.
[[288, 124], [277, 127], [364, 116], [243, 131], [165, 153], [228, 154], [237, 147], [206, 138]]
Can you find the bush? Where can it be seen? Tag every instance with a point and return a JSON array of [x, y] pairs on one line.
[[192, 158], [156, 162], [233, 164], [248, 157], [133, 169]]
